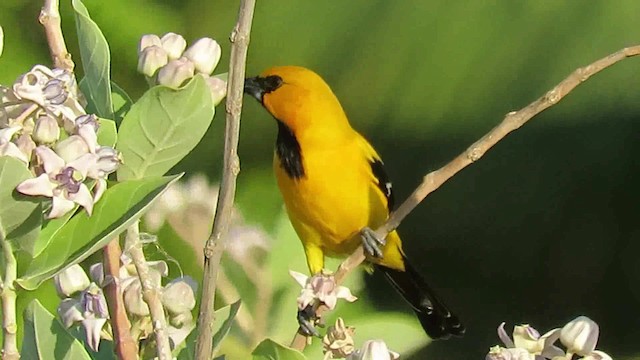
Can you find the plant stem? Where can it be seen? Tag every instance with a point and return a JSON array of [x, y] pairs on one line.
[[50, 20], [126, 347], [150, 293], [433, 180], [215, 244], [8, 297]]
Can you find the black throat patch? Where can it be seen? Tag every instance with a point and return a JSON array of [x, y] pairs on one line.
[[288, 151]]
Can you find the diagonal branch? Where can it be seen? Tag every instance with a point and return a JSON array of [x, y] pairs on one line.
[[215, 244], [50, 20], [433, 180]]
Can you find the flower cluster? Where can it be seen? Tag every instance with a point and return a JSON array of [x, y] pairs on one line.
[[338, 344], [322, 288], [579, 337], [164, 60], [84, 302], [44, 125]]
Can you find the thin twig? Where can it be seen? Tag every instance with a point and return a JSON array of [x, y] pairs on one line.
[[435, 179], [150, 292], [8, 297], [50, 20], [126, 347], [231, 167]]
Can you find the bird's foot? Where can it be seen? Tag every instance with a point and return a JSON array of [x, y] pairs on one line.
[[371, 242], [308, 321]]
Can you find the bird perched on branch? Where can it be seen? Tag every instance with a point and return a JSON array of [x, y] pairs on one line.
[[335, 188]]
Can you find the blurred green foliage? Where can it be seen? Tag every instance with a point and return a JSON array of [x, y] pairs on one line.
[[544, 228]]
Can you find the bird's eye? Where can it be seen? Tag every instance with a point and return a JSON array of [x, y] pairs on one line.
[[271, 83]]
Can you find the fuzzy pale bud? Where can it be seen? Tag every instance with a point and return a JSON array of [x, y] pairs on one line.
[[179, 295], [46, 130], [71, 280], [151, 59], [205, 55], [173, 44], [218, 88], [176, 72], [148, 40], [71, 148], [580, 335]]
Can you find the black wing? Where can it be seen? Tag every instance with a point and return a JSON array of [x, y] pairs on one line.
[[384, 184]]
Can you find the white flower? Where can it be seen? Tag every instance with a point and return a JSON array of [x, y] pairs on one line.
[[90, 309], [8, 148], [205, 54], [374, 350], [151, 59], [320, 287], [61, 181], [500, 353], [527, 338], [580, 335]]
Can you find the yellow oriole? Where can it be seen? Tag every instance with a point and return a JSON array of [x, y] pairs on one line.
[[334, 185]]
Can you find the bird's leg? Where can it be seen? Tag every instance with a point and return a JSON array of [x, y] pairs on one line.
[[371, 242], [308, 320]]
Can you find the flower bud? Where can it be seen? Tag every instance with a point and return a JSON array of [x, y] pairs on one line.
[[179, 295], [148, 40], [182, 319], [376, 350], [151, 59], [26, 145], [580, 335], [108, 160], [71, 148], [218, 88], [46, 130], [205, 54], [176, 72], [173, 44], [71, 280], [133, 301]]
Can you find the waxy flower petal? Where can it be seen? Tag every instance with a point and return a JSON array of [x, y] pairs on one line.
[[320, 287], [205, 54], [580, 335], [71, 280]]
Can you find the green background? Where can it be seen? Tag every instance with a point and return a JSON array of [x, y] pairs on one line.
[[543, 229]]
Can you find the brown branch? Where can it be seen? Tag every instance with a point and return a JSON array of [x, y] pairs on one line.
[[150, 292], [126, 347], [50, 20], [215, 244], [435, 179]]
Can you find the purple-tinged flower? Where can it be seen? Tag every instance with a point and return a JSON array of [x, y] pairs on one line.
[[527, 338], [90, 309], [320, 287], [61, 181]]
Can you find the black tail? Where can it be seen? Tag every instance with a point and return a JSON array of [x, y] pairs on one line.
[[437, 321]]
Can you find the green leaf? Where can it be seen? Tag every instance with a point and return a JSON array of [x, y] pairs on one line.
[[94, 53], [20, 215], [107, 132], [271, 350], [119, 207], [49, 229], [46, 338], [121, 102], [162, 128], [221, 326], [222, 323]]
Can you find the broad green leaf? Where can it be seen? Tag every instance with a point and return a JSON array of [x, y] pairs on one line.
[[20, 215], [119, 207], [222, 323], [162, 128], [46, 338], [94, 53], [181, 251], [271, 350], [49, 229], [121, 101], [221, 326], [107, 132]]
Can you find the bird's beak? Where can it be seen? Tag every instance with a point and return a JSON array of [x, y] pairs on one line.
[[253, 87]]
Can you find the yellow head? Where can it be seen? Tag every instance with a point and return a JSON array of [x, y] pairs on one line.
[[299, 98]]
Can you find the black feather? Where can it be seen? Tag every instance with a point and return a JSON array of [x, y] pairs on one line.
[[436, 320], [288, 152], [384, 184]]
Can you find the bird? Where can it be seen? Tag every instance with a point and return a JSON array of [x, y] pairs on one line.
[[335, 188]]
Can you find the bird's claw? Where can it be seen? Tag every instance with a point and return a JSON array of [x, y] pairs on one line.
[[308, 320], [371, 242]]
